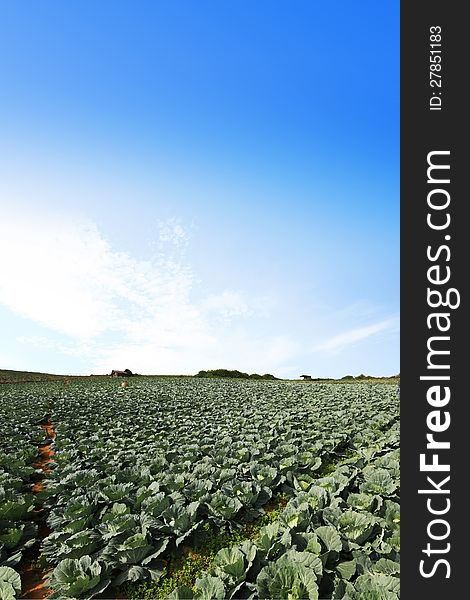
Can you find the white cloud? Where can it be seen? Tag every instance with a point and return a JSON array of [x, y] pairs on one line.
[[339, 342], [228, 304], [77, 348], [171, 231], [116, 311], [66, 276], [234, 303], [50, 273]]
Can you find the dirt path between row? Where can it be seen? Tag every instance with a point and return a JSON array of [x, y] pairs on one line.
[[33, 576]]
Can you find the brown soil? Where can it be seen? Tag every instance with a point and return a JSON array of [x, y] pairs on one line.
[[33, 576], [37, 487], [33, 583]]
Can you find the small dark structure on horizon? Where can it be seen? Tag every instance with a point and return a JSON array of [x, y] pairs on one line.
[[306, 377], [125, 373]]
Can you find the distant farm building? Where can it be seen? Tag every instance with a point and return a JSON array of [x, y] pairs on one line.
[[125, 373], [306, 377]]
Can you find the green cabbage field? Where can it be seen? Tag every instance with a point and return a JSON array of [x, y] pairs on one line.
[[200, 488]]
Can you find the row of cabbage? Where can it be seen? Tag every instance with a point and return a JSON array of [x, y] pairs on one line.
[[140, 471], [20, 434], [338, 539]]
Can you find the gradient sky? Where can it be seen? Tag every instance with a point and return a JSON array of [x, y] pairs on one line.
[[191, 185]]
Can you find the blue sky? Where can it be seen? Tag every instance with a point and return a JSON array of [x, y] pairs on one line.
[[194, 185]]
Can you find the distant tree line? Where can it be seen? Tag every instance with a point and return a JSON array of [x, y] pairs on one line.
[[347, 378], [361, 376], [234, 374]]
